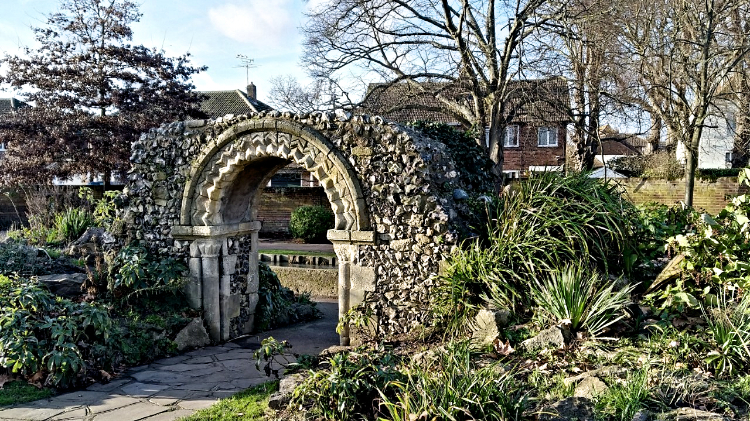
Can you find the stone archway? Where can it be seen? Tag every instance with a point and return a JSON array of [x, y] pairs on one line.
[[219, 203], [194, 185]]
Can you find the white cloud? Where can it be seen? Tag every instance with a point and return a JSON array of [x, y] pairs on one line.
[[267, 25]]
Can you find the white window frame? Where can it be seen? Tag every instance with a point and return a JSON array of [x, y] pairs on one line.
[[546, 133], [511, 131], [728, 157], [512, 174], [2, 147]]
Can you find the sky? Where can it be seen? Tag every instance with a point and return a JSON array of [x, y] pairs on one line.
[[214, 32]]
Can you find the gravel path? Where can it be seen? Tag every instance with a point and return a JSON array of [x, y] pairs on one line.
[[176, 387]]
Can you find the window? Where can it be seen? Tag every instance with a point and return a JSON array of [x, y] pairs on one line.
[[731, 124], [2, 147], [728, 157], [547, 136], [511, 136]]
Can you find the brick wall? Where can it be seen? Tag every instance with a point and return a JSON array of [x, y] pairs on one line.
[[528, 153], [707, 196], [277, 203]]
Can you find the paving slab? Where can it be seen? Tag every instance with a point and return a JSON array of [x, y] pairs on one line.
[[142, 390], [74, 415], [133, 412], [197, 404], [171, 415], [108, 387], [112, 402], [27, 413]]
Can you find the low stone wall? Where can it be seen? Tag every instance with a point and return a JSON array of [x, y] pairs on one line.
[[320, 283], [707, 196], [276, 205]]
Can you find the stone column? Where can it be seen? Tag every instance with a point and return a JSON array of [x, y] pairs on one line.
[[193, 288], [346, 253], [210, 250], [227, 309]]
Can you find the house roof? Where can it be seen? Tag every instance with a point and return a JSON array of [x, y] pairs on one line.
[[11, 105], [220, 103], [530, 100], [613, 147]]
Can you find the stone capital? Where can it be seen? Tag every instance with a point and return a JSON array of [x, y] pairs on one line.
[[210, 247]]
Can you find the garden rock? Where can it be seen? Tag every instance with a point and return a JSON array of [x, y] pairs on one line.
[[280, 399], [548, 338], [64, 285], [193, 335], [590, 387], [641, 415], [671, 272], [574, 408], [97, 236], [487, 326], [690, 414]]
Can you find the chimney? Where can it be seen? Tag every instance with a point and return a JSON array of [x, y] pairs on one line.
[[251, 91]]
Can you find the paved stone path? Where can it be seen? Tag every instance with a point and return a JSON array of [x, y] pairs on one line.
[[176, 387]]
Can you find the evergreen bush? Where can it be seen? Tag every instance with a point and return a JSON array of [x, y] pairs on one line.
[[311, 223]]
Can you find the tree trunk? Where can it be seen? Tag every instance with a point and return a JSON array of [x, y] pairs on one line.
[[691, 165], [106, 180]]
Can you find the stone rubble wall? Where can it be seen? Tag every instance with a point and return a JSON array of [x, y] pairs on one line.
[[409, 183]]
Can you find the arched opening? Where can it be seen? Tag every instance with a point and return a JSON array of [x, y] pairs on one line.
[[220, 209]]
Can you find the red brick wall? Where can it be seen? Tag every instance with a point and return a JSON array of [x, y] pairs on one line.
[[528, 153], [277, 203], [707, 196]]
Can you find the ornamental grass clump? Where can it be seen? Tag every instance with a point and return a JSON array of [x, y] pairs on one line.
[[542, 224], [579, 296], [729, 325]]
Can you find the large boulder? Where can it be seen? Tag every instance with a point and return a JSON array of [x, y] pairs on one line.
[[193, 335], [66, 285], [281, 399]]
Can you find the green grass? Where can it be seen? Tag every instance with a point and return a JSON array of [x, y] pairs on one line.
[[19, 392], [248, 405], [298, 253]]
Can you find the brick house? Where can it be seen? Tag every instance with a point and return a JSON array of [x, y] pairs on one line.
[[536, 135]]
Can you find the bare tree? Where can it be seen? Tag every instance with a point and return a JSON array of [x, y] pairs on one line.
[[683, 53], [287, 93], [580, 46], [469, 48]]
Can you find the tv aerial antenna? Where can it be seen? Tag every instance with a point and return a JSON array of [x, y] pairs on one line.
[[248, 63]]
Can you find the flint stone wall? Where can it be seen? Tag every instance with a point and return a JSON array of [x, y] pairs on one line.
[[408, 184]]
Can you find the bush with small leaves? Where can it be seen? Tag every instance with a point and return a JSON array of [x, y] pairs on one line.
[[311, 223]]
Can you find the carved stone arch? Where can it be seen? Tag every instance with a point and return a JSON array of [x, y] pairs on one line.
[[249, 142]]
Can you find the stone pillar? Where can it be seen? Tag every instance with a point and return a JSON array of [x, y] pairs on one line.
[[253, 279], [227, 310], [210, 250], [346, 253], [193, 288]]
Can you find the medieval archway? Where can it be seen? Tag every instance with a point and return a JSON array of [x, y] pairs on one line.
[[194, 187]]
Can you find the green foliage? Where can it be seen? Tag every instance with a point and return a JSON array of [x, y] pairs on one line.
[[349, 386], [136, 271], [311, 223], [105, 209], [579, 295], [39, 333], [729, 324], [623, 399], [717, 251], [453, 387], [277, 305], [473, 165], [660, 165], [249, 405], [271, 351], [654, 224], [713, 174], [72, 223], [544, 223], [17, 392]]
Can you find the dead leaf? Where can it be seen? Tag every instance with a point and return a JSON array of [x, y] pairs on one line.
[[679, 323], [36, 379], [105, 376], [503, 348], [3, 379]]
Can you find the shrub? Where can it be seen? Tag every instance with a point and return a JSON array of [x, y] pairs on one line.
[[547, 221], [311, 223], [453, 387], [72, 223], [350, 386], [136, 271], [660, 165], [579, 295], [54, 337], [729, 324]]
